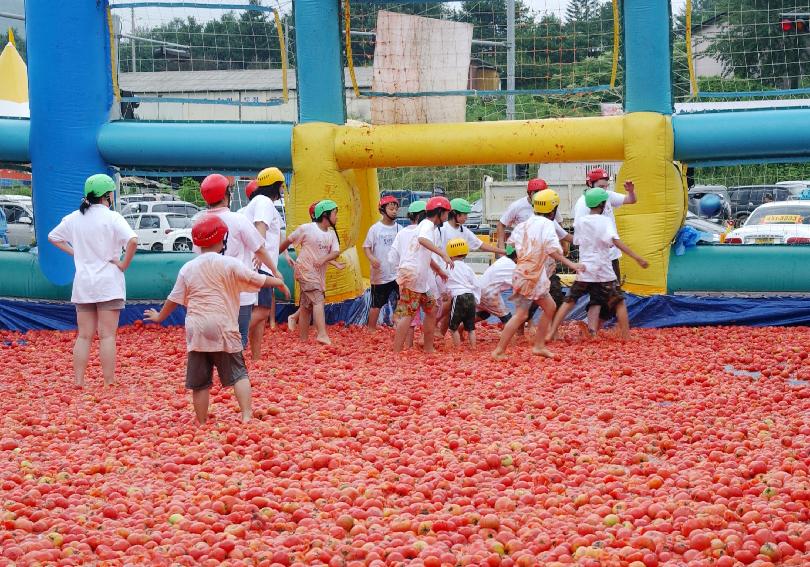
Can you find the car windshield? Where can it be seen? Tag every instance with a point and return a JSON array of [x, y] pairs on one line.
[[178, 221], [785, 214]]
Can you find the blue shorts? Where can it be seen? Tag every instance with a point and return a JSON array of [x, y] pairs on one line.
[[245, 311], [266, 293]]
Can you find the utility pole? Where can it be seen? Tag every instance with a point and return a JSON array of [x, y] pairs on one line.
[[510, 72], [132, 41]]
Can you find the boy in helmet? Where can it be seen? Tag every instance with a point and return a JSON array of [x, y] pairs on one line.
[[519, 211], [596, 236], [535, 241], [416, 214], [414, 274], [210, 286], [244, 241], [496, 280], [261, 211], [377, 247], [462, 283], [318, 246]]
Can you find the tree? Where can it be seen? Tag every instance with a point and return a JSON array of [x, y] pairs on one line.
[[753, 46], [19, 42], [190, 192], [582, 10]]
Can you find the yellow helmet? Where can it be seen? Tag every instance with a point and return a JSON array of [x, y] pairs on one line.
[[457, 247], [270, 175], [545, 201]]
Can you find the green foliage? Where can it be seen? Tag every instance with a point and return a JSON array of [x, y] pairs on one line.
[[190, 191], [752, 174], [19, 42], [16, 190]]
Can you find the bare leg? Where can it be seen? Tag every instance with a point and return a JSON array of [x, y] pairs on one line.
[[373, 317], [509, 331], [429, 330], [320, 324], [87, 321], [258, 318], [107, 328], [622, 321], [292, 321], [304, 316], [559, 316], [593, 320], [200, 401], [242, 391], [471, 338], [272, 311], [456, 338], [403, 331], [548, 307]]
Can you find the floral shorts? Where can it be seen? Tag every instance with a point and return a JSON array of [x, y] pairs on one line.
[[410, 301]]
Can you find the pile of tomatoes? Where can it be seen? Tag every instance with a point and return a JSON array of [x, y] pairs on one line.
[[680, 447]]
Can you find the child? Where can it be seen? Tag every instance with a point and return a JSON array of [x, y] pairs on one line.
[[209, 287], [416, 214], [292, 320], [535, 240], [376, 247], [495, 280], [414, 273], [596, 236], [465, 290], [318, 247]]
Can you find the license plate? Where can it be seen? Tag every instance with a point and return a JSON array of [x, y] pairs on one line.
[[764, 240]]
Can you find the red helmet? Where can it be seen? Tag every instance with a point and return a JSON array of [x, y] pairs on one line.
[[536, 185], [209, 230], [251, 187], [312, 209], [214, 187], [387, 199], [596, 174], [438, 203]]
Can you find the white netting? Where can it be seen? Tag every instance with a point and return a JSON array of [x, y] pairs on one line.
[[223, 62]]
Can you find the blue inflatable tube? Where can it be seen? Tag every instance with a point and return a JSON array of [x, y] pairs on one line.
[[14, 133], [196, 145], [645, 33]]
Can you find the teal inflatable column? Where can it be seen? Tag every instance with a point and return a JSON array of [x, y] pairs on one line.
[[319, 65], [647, 67], [70, 90]]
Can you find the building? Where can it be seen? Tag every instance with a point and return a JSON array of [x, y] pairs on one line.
[[702, 36], [483, 76], [226, 90]]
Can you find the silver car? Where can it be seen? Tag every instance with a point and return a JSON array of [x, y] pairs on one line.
[[20, 218]]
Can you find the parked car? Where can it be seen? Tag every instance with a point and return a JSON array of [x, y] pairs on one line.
[[145, 198], [178, 207], [775, 223], [476, 216], [746, 198], [697, 192], [704, 225], [178, 241], [19, 213], [153, 228], [405, 198], [796, 188]]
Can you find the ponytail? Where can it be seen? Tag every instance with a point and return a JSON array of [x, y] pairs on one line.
[[88, 201]]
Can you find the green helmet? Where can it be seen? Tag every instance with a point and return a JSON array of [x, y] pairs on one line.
[[98, 185], [460, 205], [417, 207], [324, 207], [510, 249], [595, 197]]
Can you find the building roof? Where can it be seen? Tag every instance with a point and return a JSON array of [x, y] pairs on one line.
[[206, 81]]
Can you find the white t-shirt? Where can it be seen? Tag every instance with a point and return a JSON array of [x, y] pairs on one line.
[[533, 240], [400, 245], [520, 211], [448, 233], [498, 277], [594, 235], [615, 200], [461, 279], [243, 242], [262, 209], [414, 271], [97, 237], [313, 245], [379, 240]]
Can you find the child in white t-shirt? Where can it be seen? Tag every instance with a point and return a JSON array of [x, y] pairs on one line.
[[596, 236], [496, 280], [376, 247], [319, 246], [535, 240], [465, 292]]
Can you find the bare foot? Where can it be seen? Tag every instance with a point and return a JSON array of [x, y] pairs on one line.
[[246, 418], [291, 322], [586, 332], [496, 355], [543, 352], [324, 340]]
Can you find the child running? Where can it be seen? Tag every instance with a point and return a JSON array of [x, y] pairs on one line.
[[462, 283], [377, 246], [416, 214], [596, 235], [496, 280], [414, 273], [318, 247], [535, 240], [209, 287]]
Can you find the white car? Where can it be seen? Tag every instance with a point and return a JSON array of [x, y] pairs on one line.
[[154, 228], [178, 241], [19, 212], [786, 222], [177, 207]]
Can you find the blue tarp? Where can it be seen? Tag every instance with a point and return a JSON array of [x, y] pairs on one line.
[[652, 312]]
